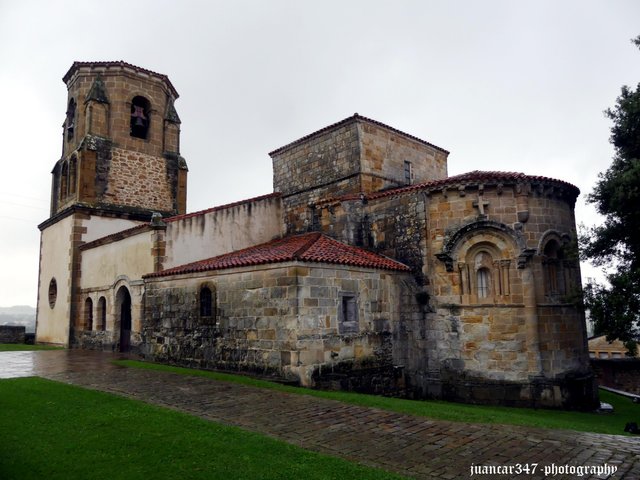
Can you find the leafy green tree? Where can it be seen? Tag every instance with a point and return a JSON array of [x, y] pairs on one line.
[[615, 309]]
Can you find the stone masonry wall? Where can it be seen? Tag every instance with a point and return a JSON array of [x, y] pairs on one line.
[[384, 152], [394, 226], [11, 334], [516, 330], [326, 165], [138, 179], [354, 156], [325, 348], [281, 320], [324, 159], [253, 326], [619, 373]]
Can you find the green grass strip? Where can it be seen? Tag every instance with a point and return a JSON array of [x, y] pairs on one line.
[[625, 409], [21, 347], [56, 431]]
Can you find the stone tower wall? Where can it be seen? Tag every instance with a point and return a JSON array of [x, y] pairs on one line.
[[112, 166], [384, 153], [353, 157]]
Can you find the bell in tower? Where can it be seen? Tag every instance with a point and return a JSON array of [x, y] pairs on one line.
[[139, 123]]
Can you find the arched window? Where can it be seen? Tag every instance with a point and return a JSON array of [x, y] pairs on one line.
[[73, 174], [139, 123], [64, 181], [88, 314], [207, 297], [483, 281], [483, 263], [71, 119], [206, 304], [102, 315]]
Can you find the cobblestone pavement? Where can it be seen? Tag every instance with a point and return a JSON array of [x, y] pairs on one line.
[[413, 446]]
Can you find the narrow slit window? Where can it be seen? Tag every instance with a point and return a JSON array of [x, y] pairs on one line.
[[102, 314], [208, 304], [483, 282], [71, 119], [88, 314], [408, 172]]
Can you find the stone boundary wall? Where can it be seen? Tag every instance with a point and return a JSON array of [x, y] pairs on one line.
[[12, 334], [619, 373]]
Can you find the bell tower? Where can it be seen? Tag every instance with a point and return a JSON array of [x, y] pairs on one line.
[[120, 164], [121, 142]]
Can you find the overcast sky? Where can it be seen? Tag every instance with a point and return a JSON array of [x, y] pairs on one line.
[[503, 85]]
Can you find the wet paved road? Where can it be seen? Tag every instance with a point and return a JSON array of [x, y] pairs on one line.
[[413, 446]]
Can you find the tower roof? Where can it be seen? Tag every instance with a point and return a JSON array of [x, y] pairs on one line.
[[112, 66], [354, 118]]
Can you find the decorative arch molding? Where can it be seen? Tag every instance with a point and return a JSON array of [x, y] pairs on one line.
[[562, 239], [120, 281], [455, 239]]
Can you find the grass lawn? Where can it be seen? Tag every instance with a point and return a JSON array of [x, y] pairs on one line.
[[56, 431], [21, 347], [625, 410]]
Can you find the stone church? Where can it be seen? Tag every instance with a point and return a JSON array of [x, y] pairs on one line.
[[368, 268]]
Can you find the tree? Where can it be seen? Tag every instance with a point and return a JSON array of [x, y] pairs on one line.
[[615, 309]]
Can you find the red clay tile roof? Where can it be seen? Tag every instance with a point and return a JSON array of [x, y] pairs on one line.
[[354, 118], [121, 64], [470, 178], [308, 247], [220, 207]]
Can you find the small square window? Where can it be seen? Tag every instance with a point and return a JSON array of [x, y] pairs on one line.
[[348, 314]]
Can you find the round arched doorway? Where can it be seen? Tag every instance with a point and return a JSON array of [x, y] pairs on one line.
[[123, 311]]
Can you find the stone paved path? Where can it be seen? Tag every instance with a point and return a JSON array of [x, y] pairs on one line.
[[412, 446]]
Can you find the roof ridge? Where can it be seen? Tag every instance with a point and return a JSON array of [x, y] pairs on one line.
[[355, 117], [313, 238], [183, 216]]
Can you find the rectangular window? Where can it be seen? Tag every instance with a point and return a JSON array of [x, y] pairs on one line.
[[348, 314], [408, 173]]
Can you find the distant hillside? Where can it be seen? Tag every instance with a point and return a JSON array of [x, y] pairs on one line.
[[19, 315]]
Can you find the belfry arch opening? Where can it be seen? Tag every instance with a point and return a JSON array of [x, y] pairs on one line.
[[139, 123]]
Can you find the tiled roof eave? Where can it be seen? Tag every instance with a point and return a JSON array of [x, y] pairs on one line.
[[474, 178], [217, 208], [195, 270], [309, 248], [120, 64]]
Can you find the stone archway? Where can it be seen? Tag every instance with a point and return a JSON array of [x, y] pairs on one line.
[[123, 311]]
